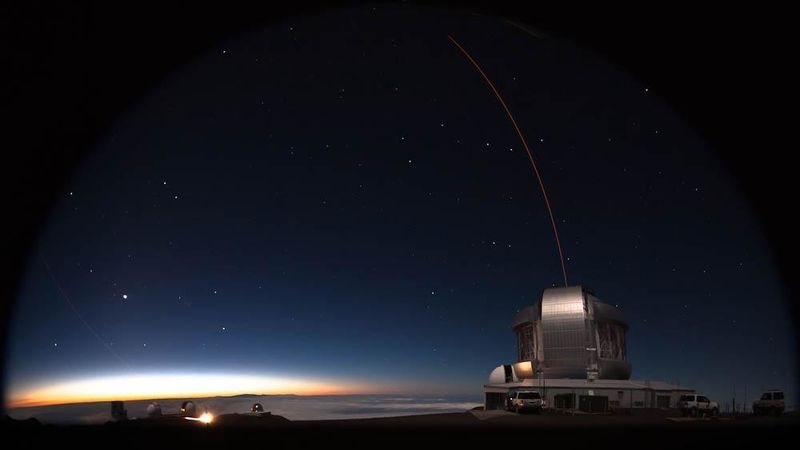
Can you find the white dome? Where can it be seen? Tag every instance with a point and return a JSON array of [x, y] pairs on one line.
[[188, 409], [154, 410], [498, 375]]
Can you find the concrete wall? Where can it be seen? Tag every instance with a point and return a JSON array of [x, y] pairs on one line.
[[617, 398]]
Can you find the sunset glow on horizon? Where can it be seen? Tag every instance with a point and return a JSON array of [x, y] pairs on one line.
[[159, 386]]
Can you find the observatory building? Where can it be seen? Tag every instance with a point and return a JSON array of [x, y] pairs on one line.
[[572, 348]]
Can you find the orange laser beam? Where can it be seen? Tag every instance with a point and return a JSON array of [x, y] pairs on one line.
[[527, 150]]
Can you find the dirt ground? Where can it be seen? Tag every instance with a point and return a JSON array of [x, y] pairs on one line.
[[452, 429]]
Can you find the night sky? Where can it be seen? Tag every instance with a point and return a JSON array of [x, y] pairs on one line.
[[340, 198]]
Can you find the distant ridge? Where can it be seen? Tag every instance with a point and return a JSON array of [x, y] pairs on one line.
[[253, 395]]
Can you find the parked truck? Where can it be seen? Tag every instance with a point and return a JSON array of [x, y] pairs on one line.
[[695, 405], [771, 403], [526, 400]]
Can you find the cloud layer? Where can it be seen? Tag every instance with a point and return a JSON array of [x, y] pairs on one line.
[[289, 406]]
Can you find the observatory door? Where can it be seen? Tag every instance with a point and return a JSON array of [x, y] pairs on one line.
[[564, 401], [495, 400], [593, 404]]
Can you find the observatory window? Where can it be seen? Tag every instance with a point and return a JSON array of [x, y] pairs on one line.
[[612, 340], [529, 395], [525, 343]]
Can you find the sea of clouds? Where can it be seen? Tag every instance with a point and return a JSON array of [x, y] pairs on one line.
[[289, 406]]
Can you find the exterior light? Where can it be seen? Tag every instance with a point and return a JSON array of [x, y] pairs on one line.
[[205, 418]]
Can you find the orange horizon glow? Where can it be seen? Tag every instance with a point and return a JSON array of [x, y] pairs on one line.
[[173, 386]]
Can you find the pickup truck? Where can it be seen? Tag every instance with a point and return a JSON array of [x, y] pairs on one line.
[[521, 401], [694, 405], [771, 402]]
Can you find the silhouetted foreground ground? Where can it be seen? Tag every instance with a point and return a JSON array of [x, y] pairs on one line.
[[452, 430]]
